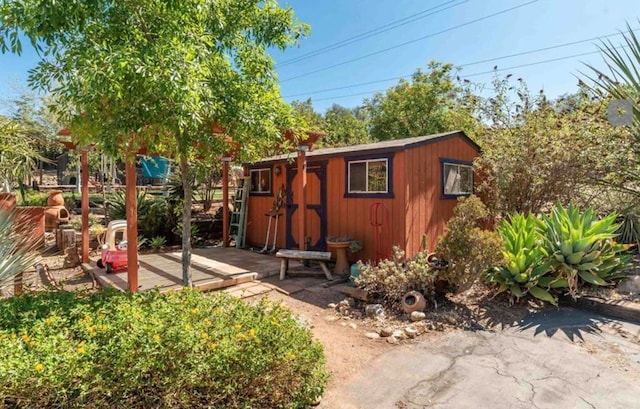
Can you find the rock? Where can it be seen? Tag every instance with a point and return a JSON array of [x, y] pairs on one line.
[[392, 340], [356, 314], [386, 332], [344, 302], [374, 310], [418, 316], [372, 335], [344, 310], [630, 286], [411, 332], [344, 324], [399, 334], [331, 305], [353, 325], [331, 318]]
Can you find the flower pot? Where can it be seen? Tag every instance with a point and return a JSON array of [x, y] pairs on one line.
[[436, 262], [413, 301], [342, 263], [7, 201], [55, 198]]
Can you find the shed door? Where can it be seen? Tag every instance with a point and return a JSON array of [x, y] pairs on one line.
[[316, 209]]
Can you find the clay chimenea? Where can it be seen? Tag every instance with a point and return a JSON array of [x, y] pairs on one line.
[[56, 213]]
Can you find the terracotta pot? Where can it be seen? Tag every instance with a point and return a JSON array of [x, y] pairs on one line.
[[413, 301], [30, 222], [437, 263], [7, 201], [55, 198]]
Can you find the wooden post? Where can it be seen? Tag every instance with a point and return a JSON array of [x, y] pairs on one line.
[[302, 202], [84, 176], [132, 224], [225, 201]]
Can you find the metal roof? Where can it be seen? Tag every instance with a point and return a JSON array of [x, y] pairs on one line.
[[386, 146]]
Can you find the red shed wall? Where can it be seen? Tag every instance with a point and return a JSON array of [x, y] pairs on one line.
[[351, 216], [257, 222], [426, 210]]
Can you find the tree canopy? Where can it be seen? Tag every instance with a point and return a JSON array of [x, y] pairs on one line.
[[160, 74], [430, 102]]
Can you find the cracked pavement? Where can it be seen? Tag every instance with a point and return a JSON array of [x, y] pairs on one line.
[[554, 359]]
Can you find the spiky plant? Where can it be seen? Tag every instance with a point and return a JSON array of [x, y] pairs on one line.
[[15, 248], [525, 269], [582, 247], [622, 80]]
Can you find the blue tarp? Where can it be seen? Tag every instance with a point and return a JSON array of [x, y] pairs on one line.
[[155, 167]]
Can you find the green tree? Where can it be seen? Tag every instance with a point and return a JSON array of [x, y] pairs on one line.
[[430, 102], [19, 154], [159, 74], [310, 119], [344, 128]]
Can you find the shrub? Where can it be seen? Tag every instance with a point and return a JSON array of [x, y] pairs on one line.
[[180, 350], [34, 198], [563, 250], [525, 264], [158, 242], [394, 277], [469, 249], [581, 246], [155, 214]]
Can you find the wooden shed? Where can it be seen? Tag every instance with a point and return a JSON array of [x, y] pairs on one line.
[[382, 194]]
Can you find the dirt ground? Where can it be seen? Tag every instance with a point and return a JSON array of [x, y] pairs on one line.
[[340, 324]]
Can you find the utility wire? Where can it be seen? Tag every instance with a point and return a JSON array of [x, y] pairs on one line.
[[482, 73], [411, 41], [463, 65], [379, 30]]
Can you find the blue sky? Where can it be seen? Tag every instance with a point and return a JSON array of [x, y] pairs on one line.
[[542, 23], [537, 25]]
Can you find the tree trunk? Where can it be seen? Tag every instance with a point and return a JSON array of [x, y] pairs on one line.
[[186, 221]]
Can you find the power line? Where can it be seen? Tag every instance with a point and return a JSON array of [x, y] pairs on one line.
[[463, 65], [411, 41], [482, 73], [379, 30]]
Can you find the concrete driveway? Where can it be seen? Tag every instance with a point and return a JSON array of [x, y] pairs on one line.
[[554, 359]]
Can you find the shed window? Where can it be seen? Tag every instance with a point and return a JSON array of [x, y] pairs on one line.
[[457, 179], [368, 176], [261, 180]]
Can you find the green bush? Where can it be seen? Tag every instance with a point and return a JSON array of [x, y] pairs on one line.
[[33, 198], [158, 242], [581, 246], [180, 350], [469, 249], [525, 265], [392, 278], [155, 214], [565, 249]]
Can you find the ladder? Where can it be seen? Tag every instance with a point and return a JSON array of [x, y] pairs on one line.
[[238, 219]]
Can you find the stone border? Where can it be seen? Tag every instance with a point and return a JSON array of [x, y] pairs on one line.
[[621, 309]]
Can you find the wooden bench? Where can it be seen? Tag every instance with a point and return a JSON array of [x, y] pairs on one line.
[[320, 256]]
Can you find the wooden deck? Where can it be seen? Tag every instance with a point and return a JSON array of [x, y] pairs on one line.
[[211, 269]]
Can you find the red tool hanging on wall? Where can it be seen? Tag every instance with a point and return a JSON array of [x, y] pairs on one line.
[[379, 219]]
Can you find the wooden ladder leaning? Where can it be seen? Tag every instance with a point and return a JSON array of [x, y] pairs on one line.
[[238, 219]]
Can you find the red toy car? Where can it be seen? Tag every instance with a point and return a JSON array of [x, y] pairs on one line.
[[114, 251]]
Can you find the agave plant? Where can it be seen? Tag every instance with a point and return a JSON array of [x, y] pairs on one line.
[[581, 246], [526, 268], [15, 248]]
